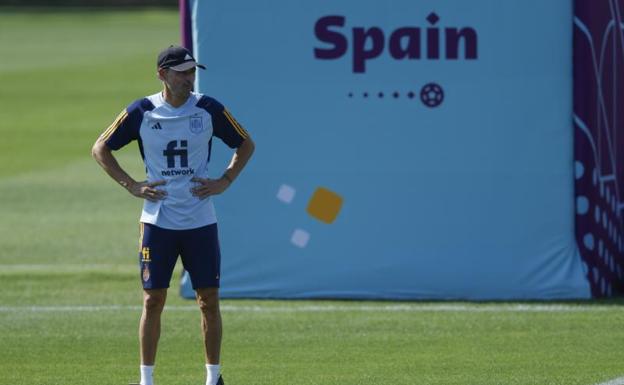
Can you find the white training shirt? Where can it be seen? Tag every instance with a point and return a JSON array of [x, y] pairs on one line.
[[175, 144]]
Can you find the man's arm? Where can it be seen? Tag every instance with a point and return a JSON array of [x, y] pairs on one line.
[[207, 187], [104, 156]]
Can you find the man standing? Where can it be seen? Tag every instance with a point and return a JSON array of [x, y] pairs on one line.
[[174, 129]]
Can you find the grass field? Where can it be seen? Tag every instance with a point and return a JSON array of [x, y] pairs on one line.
[[69, 303]]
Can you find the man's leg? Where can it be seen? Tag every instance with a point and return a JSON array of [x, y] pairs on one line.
[[208, 300], [201, 257], [157, 257], [149, 331]]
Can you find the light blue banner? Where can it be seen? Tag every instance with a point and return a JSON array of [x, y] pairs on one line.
[[405, 149]]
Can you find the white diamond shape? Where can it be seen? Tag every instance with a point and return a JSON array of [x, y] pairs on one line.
[[300, 238], [286, 193]]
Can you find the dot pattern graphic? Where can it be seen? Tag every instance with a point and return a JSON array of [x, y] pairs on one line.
[[599, 144], [431, 95]]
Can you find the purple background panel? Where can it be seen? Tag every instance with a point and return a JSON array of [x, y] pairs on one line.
[[599, 141], [186, 33]]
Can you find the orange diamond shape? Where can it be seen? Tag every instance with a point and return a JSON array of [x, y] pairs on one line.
[[324, 205]]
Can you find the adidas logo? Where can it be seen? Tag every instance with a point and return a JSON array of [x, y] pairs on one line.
[[157, 126], [188, 57]]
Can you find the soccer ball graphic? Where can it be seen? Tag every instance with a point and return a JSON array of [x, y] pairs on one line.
[[432, 95]]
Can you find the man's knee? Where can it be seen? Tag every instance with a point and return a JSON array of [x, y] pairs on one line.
[[208, 300], [154, 300]]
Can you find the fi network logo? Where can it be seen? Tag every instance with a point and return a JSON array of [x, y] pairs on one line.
[[172, 151], [402, 43]]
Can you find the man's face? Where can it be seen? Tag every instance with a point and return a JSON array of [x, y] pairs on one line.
[[180, 83]]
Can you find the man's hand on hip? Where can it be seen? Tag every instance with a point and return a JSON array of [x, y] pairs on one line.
[[147, 190], [206, 187]]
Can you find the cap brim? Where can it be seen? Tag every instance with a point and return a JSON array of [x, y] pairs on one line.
[[187, 66]]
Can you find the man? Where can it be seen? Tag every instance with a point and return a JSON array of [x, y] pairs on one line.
[[174, 129]]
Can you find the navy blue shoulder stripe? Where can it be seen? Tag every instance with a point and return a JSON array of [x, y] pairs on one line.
[[223, 126], [141, 106], [126, 127], [209, 104]]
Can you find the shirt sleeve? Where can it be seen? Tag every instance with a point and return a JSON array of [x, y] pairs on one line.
[[224, 126], [125, 128]]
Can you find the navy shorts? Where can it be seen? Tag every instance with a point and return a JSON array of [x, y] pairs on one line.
[[198, 249]]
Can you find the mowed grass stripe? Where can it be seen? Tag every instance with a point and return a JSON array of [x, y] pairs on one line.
[[63, 269], [295, 307]]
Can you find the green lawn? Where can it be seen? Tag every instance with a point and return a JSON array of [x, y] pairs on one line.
[[68, 239], [313, 342], [67, 77]]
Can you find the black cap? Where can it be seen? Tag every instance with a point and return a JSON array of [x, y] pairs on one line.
[[177, 58]]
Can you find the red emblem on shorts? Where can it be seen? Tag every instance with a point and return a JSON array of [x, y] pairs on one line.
[[146, 273]]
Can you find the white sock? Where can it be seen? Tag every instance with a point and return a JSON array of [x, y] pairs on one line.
[[212, 374], [147, 373]]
